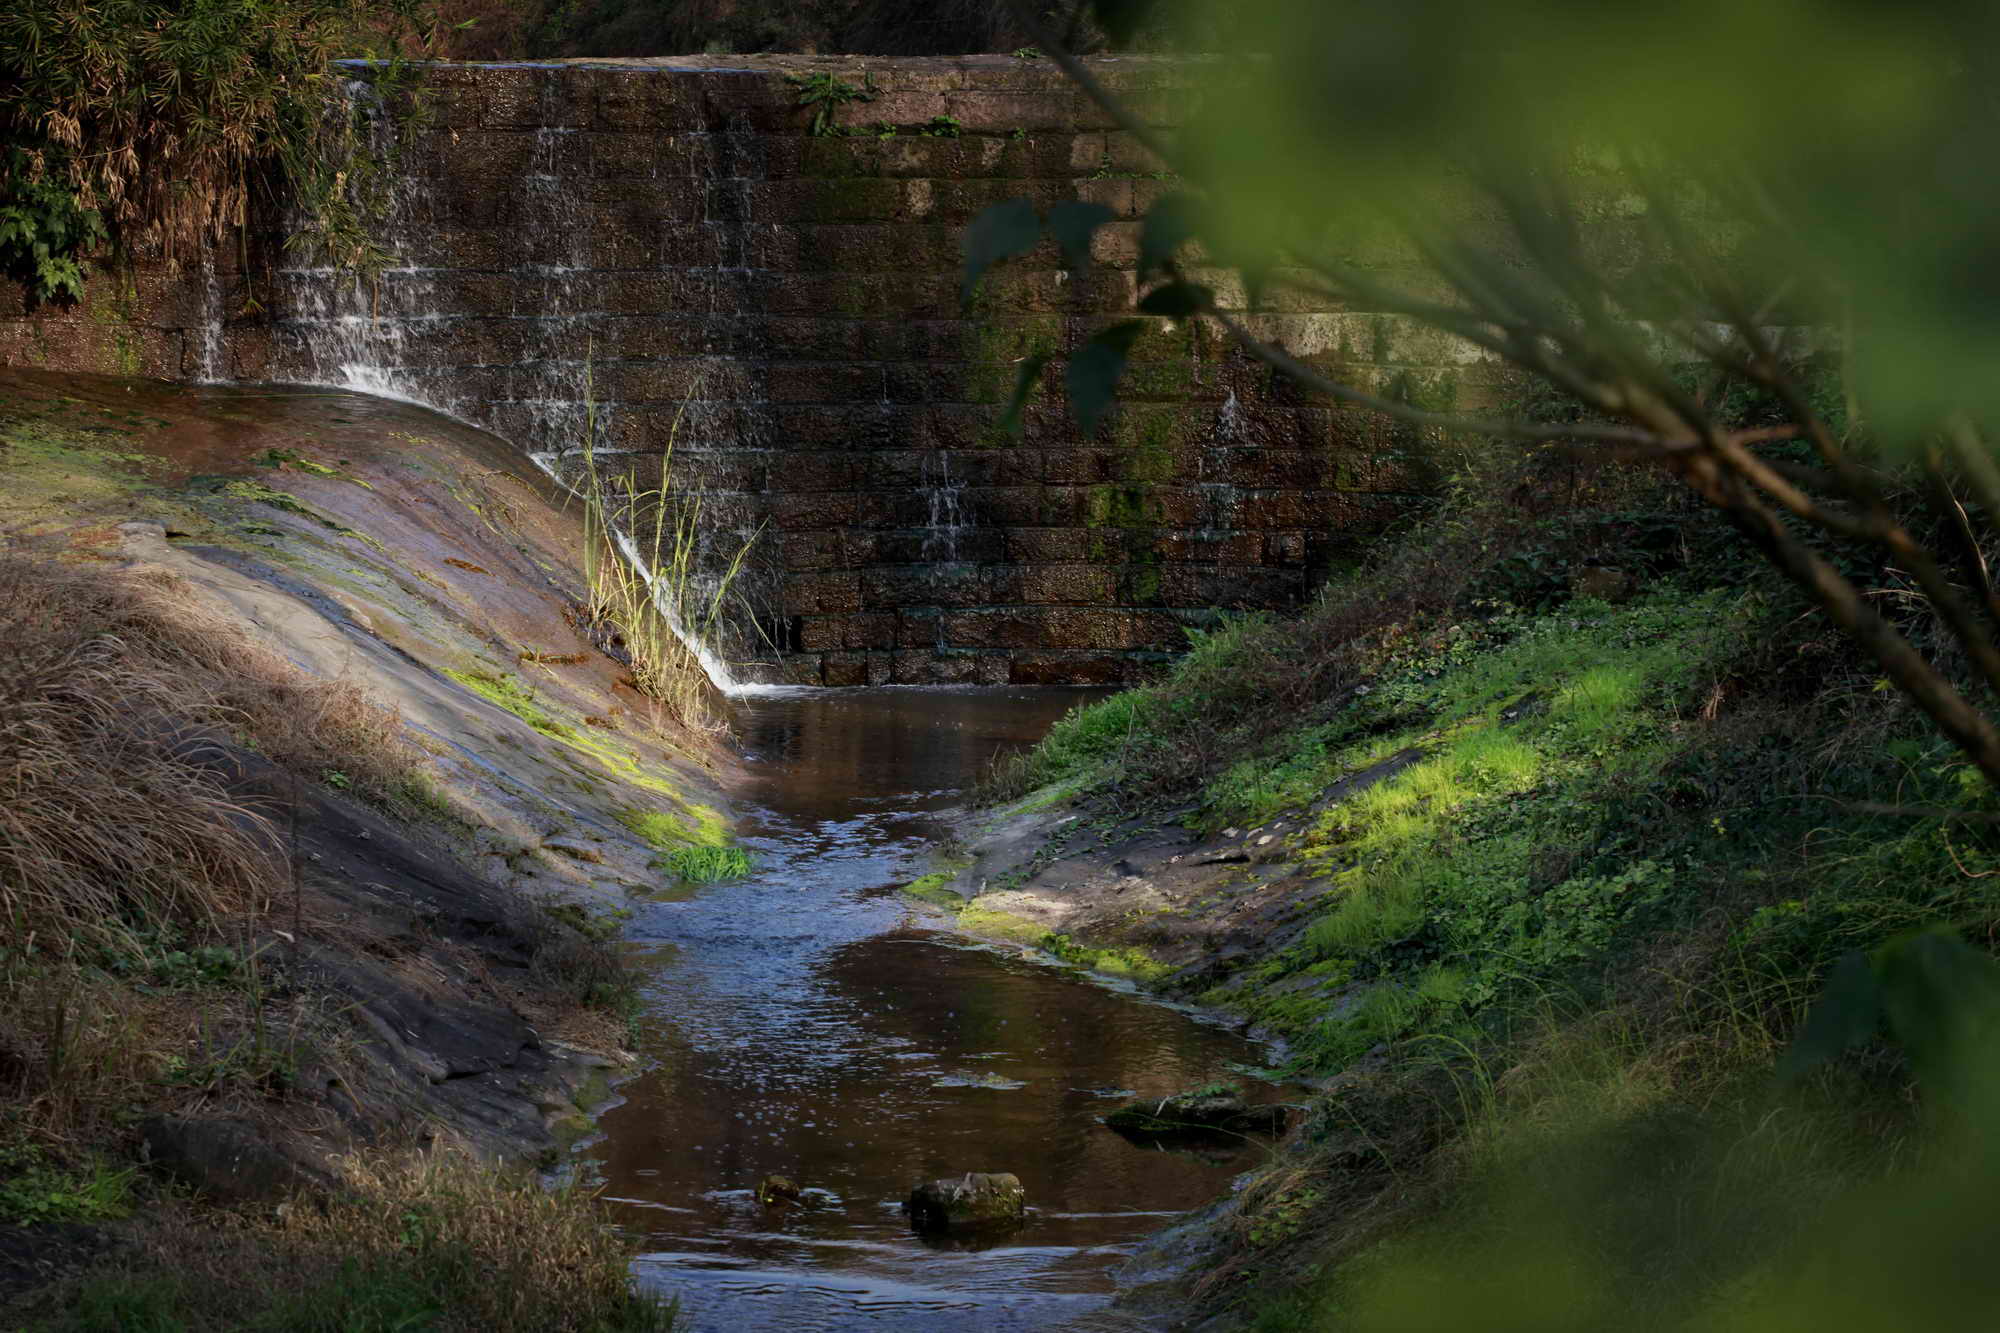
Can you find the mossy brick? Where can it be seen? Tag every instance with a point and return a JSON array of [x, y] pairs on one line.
[[1124, 152], [903, 106], [748, 100], [844, 669], [886, 339], [818, 634], [1058, 667], [646, 381], [1008, 74], [956, 203], [512, 98], [810, 550], [621, 155], [1149, 73], [824, 470], [870, 247], [642, 99], [996, 627], [829, 592], [1087, 465], [454, 105], [493, 159], [893, 586], [841, 158], [649, 293], [1002, 338], [643, 199], [1004, 112], [822, 382], [1209, 547], [1068, 585], [845, 426], [1155, 630], [811, 337]]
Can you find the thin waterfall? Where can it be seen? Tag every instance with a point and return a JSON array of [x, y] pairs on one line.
[[209, 364], [945, 495]]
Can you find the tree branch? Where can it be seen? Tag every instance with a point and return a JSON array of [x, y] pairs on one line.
[[1518, 430]]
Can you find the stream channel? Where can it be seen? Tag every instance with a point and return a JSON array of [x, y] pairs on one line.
[[809, 1021]]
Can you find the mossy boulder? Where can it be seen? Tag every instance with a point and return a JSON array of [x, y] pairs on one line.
[[1219, 1107], [975, 1201]]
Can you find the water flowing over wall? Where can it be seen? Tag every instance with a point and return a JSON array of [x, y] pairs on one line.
[[661, 257]]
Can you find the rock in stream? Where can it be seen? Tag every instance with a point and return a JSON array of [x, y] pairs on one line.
[[973, 1201]]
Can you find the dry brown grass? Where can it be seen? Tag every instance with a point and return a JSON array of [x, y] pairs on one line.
[[434, 1240], [109, 680], [118, 830], [104, 816]]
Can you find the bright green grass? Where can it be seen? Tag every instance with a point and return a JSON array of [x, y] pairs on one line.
[[508, 693], [708, 865]]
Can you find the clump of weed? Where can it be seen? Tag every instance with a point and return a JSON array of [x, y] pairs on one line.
[[34, 1188], [576, 954], [708, 865]]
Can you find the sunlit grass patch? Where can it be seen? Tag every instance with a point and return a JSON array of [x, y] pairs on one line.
[[1382, 905], [708, 865]]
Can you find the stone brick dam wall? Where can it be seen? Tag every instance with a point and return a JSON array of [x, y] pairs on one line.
[[667, 254]]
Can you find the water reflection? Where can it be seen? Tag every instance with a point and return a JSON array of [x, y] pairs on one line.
[[807, 1024]]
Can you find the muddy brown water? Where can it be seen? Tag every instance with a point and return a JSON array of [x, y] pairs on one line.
[[808, 1022]]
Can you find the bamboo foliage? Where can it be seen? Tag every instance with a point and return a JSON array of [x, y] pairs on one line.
[[177, 122]]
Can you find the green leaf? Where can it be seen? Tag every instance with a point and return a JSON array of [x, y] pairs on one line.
[[1122, 18], [1024, 385], [1092, 378], [1169, 226], [1849, 1013], [1942, 999], [1072, 223], [1178, 300], [1001, 232]]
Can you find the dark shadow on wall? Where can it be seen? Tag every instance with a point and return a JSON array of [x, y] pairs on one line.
[[544, 28]]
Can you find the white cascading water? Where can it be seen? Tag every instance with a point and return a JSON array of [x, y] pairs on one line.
[[948, 524], [367, 336]]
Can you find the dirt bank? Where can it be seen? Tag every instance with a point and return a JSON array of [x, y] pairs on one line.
[[431, 959]]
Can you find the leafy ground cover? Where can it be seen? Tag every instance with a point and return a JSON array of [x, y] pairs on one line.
[[1589, 828]]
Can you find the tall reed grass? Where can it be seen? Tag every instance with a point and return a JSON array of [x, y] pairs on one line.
[[642, 557]]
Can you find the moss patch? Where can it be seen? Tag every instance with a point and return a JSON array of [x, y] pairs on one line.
[[508, 693], [935, 888], [1133, 964], [978, 919]]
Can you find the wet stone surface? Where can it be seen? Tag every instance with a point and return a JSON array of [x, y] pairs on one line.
[[808, 1023]]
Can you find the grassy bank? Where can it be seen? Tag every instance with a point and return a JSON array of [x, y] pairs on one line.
[[1578, 810]]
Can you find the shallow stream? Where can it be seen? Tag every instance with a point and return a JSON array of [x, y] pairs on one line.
[[810, 1022]]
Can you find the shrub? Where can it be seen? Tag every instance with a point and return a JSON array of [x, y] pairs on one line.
[[169, 123]]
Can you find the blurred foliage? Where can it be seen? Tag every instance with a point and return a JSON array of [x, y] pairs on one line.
[[163, 125], [1825, 163], [1633, 207]]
